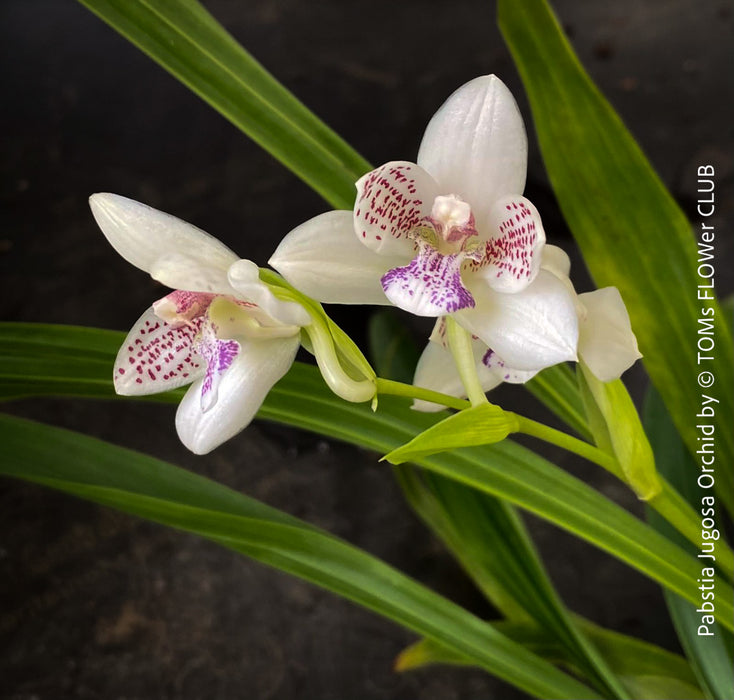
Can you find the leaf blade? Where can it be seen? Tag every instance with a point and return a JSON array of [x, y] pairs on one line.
[[505, 470], [630, 230], [51, 456], [189, 43]]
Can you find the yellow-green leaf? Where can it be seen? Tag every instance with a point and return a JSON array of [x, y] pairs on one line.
[[479, 425]]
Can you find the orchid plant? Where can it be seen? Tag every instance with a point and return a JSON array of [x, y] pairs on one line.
[[452, 238]]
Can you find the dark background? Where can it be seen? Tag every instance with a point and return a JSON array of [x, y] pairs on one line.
[[99, 605]]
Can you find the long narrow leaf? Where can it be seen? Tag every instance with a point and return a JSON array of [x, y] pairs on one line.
[[484, 533], [711, 653], [649, 672], [630, 230], [146, 487], [505, 470], [188, 42], [556, 387]]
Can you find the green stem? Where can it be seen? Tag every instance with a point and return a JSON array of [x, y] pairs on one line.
[[388, 386], [669, 503], [461, 349]]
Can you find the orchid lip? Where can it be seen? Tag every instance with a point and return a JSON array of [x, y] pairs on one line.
[[430, 285]]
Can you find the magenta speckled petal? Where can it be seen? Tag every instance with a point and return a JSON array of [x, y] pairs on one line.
[[219, 356], [157, 356], [493, 362], [430, 285], [392, 200], [513, 251]]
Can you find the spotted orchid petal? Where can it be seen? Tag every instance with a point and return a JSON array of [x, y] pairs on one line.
[[475, 145], [392, 201], [430, 285], [157, 356], [436, 370], [513, 250], [323, 259], [219, 356], [502, 371], [530, 330], [607, 344], [244, 277], [241, 391], [146, 237]]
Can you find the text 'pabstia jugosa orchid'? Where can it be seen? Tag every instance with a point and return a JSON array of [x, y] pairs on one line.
[[222, 330], [448, 235]]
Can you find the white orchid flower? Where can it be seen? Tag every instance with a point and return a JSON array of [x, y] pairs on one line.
[[450, 234], [222, 330], [607, 344]]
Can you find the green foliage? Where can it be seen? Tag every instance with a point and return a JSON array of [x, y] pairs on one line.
[[630, 230], [479, 425], [189, 43], [29, 366], [647, 671], [146, 487], [710, 655]]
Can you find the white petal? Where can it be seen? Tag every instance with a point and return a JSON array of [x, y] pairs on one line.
[[219, 356], [606, 342], [515, 241], [392, 201], [502, 371], [475, 145], [183, 271], [156, 357], [436, 370], [530, 330], [242, 390], [556, 260], [244, 276], [142, 235], [323, 259], [429, 286]]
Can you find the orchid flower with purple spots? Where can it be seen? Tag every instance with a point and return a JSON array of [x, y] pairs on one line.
[[607, 344], [448, 235], [222, 330]]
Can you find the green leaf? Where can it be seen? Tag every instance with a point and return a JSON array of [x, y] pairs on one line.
[[505, 470], [479, 425], [485, 534], [189, 43], [148, 488], [647, 671], [712, 657], [556, 388], [630, 230], [490, 542]]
